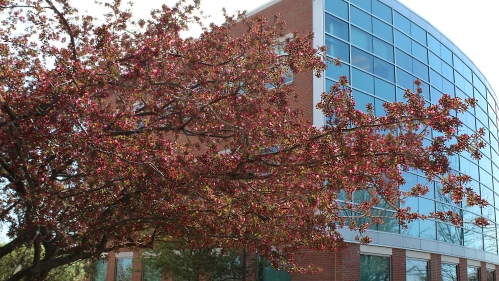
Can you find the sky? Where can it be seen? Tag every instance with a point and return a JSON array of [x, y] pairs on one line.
[[470, 25]]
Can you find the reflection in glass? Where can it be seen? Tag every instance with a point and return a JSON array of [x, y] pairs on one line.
[[361, 39], [334, 72], [384, 90], [402, 23], [449, 272], [491, 275], [123, 269], [449, 233], [336, 27], [362, 60], [337, 7], [416, 270], [374, 268], [384, 70], [361, 18], [383, 30], [362, 80], [383, 49], [337, 49], [99, 270], [383, 11], [473, 273]]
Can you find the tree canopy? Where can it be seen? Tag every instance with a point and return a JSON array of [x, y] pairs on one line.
[[118, 133]]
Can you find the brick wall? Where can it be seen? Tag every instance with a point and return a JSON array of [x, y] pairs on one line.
[[398, 265], [435, 267], [463, 269], [483, 271]]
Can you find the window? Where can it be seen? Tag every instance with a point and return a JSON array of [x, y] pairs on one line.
[[337, 49], [336, 27], [473, 273], [416, 270], [374, 268], [449, 272], [337, 7], [150, 272], [491, 275], [99, 270], [123, 269]]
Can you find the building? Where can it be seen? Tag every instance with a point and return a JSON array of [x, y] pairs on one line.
[[384, 47]]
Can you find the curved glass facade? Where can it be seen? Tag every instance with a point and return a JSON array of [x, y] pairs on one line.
[[384, 47]]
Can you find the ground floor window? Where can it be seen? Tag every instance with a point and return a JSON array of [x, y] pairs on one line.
[[416, 270], [491, 275], [473, 273], [123, 269], [99, 270], [449, 272], [374, 268]]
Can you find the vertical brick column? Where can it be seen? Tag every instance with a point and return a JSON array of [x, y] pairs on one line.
[[398, 265], [350, 263], [463, 270], [483, 271], [111, 266], [435, 267], [137, 266]]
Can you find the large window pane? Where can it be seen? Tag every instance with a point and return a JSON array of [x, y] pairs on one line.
[[420, 70], [99, 270], [491, 275], [383, 49], [362, 80], [374, 268], [405, 80], [337, 49], [416, 270], [402, 23], [383, 30], [337, 7], [336, 27], [361, 100], [361, 18], [473, 273], [419, 52], [418, 33], [446, 54], [427, 229], [362, 60], [449, 272], [384, 90], [433, 45], [403, 60], [362, 39], [366, 5], [384, 69], [123, 269], [334, 72], [381, 10], [402, 41]]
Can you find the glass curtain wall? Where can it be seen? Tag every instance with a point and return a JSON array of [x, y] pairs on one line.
[[383, 52]]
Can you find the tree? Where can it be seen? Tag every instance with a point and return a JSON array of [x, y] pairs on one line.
[[194, 264], [18, 259], [115, 132]]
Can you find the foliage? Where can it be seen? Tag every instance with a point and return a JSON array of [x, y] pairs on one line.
[[115, 133], [195, 264], [17, 260]]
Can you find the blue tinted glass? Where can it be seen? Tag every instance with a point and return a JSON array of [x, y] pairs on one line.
[[459, 80], [426, 91], [446, 54], [473, 240], [384, 69], [450, 234], [447, 87], [433, 45], [479, 85], [362, 60], [419, 52], [362, 80], [468, 89], [366, 5], [402, 23], [405, 80], [458, 64], [435, 62], [382, 11], [400, 95], [362, 39], [436, 80], [337, 7], [383, 49], [337, 48], [420, 70], [384, 90], [361, 19], [403, 60], [447, 71], [467, 72], [382, 30], [418, 33], [336, 27], [335, 72], [435, 95], [361, 100], [427, 229], [402, 41]]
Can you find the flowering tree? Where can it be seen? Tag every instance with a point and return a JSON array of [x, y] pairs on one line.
[[117, 133]]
